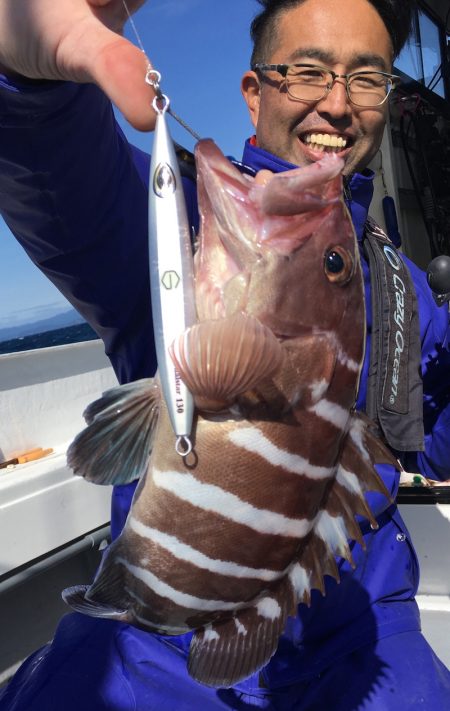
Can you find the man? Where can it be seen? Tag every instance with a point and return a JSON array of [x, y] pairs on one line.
[[360, 647]]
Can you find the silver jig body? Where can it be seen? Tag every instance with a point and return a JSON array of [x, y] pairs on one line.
[[171, 268]]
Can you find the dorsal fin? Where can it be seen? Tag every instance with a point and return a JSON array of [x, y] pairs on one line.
[[335, 523]]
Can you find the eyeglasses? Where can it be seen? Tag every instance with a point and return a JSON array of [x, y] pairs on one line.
[[308, 82]]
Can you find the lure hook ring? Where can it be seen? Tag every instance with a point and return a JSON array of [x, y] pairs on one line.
[[165, 103], [153, 77], [183, 446]]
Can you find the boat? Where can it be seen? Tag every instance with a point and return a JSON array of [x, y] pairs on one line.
[[53, 525]]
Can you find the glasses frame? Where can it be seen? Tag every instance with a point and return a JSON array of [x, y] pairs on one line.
[[283, 69]]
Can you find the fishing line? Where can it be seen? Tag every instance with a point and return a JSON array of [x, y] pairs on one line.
[[134, 28], [155, 81]]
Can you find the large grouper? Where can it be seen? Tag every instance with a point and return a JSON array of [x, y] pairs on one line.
[[228, 540]]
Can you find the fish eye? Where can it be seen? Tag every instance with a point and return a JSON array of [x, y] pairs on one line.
[[338, 265]]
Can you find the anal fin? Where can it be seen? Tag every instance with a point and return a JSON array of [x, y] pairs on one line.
[[226, 652]]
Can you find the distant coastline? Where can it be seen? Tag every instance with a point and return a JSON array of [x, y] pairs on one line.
[[56, 337]]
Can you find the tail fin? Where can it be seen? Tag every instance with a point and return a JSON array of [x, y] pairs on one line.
[[76, 598], [106, 597]]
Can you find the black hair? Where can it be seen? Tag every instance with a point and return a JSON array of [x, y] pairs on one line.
[[397, 16]]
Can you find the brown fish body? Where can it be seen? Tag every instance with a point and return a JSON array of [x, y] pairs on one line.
[[228, 540]]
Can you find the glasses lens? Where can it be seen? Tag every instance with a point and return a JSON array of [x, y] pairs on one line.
[[307, 83], [369, 89]]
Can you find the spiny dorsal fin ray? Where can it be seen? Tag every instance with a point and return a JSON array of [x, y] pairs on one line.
[[227, 652], [367, 436], [335, 524], [361, 450], [220, 359], [115, 446], [314, 561]]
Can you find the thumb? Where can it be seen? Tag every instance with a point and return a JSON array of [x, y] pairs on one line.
[[120, 68]]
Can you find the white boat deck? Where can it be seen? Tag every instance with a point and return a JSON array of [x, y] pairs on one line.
[[42, 398]]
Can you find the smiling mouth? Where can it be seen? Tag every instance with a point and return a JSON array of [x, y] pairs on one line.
[[326, 142]]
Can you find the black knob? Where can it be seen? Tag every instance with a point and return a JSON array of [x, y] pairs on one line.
[[438, 277], [438, 274]]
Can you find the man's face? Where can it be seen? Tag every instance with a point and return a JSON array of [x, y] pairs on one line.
[[342, 35]]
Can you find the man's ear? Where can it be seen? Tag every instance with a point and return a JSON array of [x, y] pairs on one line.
[[251, 91]]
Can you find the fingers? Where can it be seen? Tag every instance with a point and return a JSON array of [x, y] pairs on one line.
[[93, 52], [120, 69], [114, 63], [81, 41]]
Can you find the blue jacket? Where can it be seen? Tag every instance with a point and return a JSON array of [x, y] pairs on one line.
[[75, 195]]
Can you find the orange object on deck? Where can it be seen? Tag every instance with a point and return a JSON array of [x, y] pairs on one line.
[[29, 456]]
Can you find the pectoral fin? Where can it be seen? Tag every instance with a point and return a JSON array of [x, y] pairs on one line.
[[218, 360], [115, 446]]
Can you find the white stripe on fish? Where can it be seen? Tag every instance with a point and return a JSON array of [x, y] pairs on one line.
[[269, 608], [188, 554], [252, 440], [210, 634], [332, 530], [300, 579], [349, 480], [240, 627], [332, 413], [318, 389], [357, 435], [145, 623], [212, 498], [181, 599], [349, 363]]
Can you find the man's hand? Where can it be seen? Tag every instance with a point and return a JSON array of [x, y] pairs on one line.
[[77, 40]]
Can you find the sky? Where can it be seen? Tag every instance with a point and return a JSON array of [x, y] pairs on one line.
[[201, 48]]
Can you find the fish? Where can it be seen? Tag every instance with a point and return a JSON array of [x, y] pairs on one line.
[[228, 541]]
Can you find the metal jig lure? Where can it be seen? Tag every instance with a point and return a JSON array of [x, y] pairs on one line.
[[171, 267], [170, 259]]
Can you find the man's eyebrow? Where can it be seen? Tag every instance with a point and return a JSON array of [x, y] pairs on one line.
[[368, 59]]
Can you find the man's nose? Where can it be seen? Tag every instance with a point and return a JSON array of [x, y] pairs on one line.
[[336, 101]]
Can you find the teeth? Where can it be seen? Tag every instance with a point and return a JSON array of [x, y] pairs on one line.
[[323, 141]]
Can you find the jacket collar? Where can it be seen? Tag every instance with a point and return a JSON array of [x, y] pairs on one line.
[[361, 185]]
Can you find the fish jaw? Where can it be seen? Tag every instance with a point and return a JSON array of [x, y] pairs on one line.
[[227, 228], [256, 240]]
